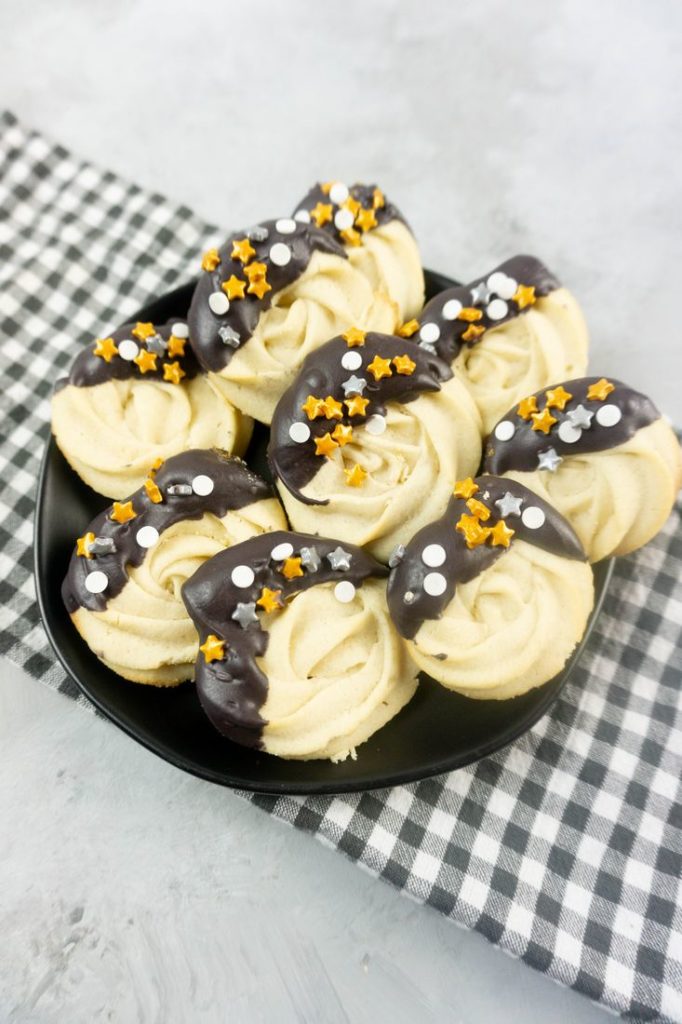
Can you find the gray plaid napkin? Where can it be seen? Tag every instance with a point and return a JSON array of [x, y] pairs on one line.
[[565, 849]]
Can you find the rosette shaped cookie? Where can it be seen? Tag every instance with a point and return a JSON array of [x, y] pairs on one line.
[[135, 397], [493, 597], [122, 589], [375, 235], [368, 442], [506, 334], [298, 654], [266, 299], [600, 452]]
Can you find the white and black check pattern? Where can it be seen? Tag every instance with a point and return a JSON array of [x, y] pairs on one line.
[[565, 849]]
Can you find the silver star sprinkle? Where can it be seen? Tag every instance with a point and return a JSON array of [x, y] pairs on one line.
[[549, 460], [339, 559], [480, 294], [580, 417], [425, 347], [183, 489], [354, 385], [509, 505], [310, 559], [229, 336], [396, 556], [258, 233], [102, 546], [157, 344], [408, 597], [245, 613]]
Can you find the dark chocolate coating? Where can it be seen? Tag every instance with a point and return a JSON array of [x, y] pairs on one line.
[[235, 486], [243, 315], [321, 375], [522, 450], [462, 564], [364, 195], [526, 270], [233, 690], [88, 369]]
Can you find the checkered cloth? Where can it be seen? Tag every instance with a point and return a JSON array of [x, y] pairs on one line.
[[565, 849]]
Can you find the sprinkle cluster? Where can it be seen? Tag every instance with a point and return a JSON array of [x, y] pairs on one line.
[[145, 347], [351, 213]]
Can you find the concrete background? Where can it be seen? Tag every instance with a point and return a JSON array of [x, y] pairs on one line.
[[129, 892]]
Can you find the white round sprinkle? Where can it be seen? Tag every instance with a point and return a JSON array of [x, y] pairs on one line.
[[568, 433], [219, 303], [452, 309], [344, 591], [533, 517], [242, 576], [497, 309], [435, 584], [502, 285], [282, 551], [302, 216], [429, 333], [96, 582], [433, 555], [608, 415], [180, 330], [338, 193], [376, 425], [128, 349], [280, 254], [343, 219], [505, 430], [147, 536], [351, 361], [286, 226], [299, 432], [202, 485]]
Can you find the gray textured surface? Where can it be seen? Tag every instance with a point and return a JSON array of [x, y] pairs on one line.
[[129, 892]]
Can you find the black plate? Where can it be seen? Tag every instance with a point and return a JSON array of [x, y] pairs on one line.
[[437, 732]]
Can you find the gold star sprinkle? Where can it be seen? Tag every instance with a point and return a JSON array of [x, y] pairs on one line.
[[122, 511], [351, 237], [404, 365], [501, 535], [478, 509], [83, 545], [354, 337], [333, 410], [259, 286], [356, 476], [145, 360], [291, 568], [143, 331], [242, 250], [313, 407], [325, 445], [353, 205], [153, 491], [255, 271], [342, 434], [599, 391], [176, 346], [366, 220], [156, 465], [106, 349], [524, 296], [234, 287], [321, 213], [213, 649], [173, 372], [380, 368], [356, 405], [527, 407], [465, 488], [210, 260], [470, 314], [270, 600], [543, 421], [556, 398], [473, 333], [408, 329], [474, 533], [378, 199], [326, 187]]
